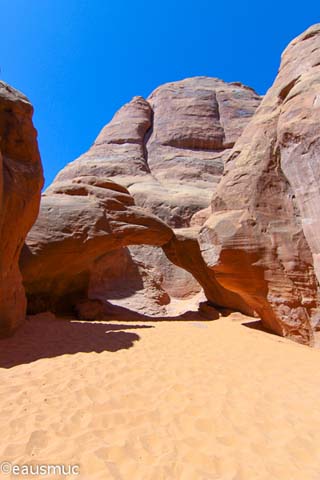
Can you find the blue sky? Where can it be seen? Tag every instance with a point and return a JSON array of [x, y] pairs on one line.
[[79, 60]]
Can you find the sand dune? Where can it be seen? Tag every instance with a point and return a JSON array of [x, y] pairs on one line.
[[159, 401]]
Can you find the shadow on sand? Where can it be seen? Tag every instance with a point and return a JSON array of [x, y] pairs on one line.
[[258, 325], [48, 337]]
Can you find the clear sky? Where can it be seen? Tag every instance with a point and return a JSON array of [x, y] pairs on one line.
[[80, 60]]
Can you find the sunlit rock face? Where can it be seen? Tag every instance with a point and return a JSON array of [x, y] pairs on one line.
[[148, 180], [20, 184], [168, 151], [262, 239], [80, 222]]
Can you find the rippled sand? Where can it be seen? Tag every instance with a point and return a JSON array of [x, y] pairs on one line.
[[160, 401]]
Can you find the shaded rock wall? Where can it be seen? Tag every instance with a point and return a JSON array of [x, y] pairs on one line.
[[20, 184]]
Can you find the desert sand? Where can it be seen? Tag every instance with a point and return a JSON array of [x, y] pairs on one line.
[[180, 400]]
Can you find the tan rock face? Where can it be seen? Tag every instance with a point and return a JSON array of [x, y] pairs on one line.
[[168, 151], [262, 240], [196, 122], [20, 184], [81, 221], [183, 250], [259, 243]]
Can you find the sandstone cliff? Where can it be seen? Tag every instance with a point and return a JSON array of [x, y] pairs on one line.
[[20, 185], [262, 239], [169, 152], [259, 248]]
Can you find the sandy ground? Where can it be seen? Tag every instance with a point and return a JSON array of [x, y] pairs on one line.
[[161, 401]]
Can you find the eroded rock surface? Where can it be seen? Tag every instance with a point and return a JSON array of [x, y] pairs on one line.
[[20, 184], [169, 152], [259, 241], [262, 240], [79, 223]]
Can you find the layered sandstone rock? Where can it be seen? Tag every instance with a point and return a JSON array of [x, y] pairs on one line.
[[259, 249], [75, 259], [80, 222], [262, 240], [20, 185], [183, 250], [169, 152], [196, 121]]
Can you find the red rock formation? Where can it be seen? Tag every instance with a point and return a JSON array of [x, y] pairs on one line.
[[259, 247], [80, 221], [262, 240], [168, 151], [183, 250], [20, 184], [168, 157], [195, 123]]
